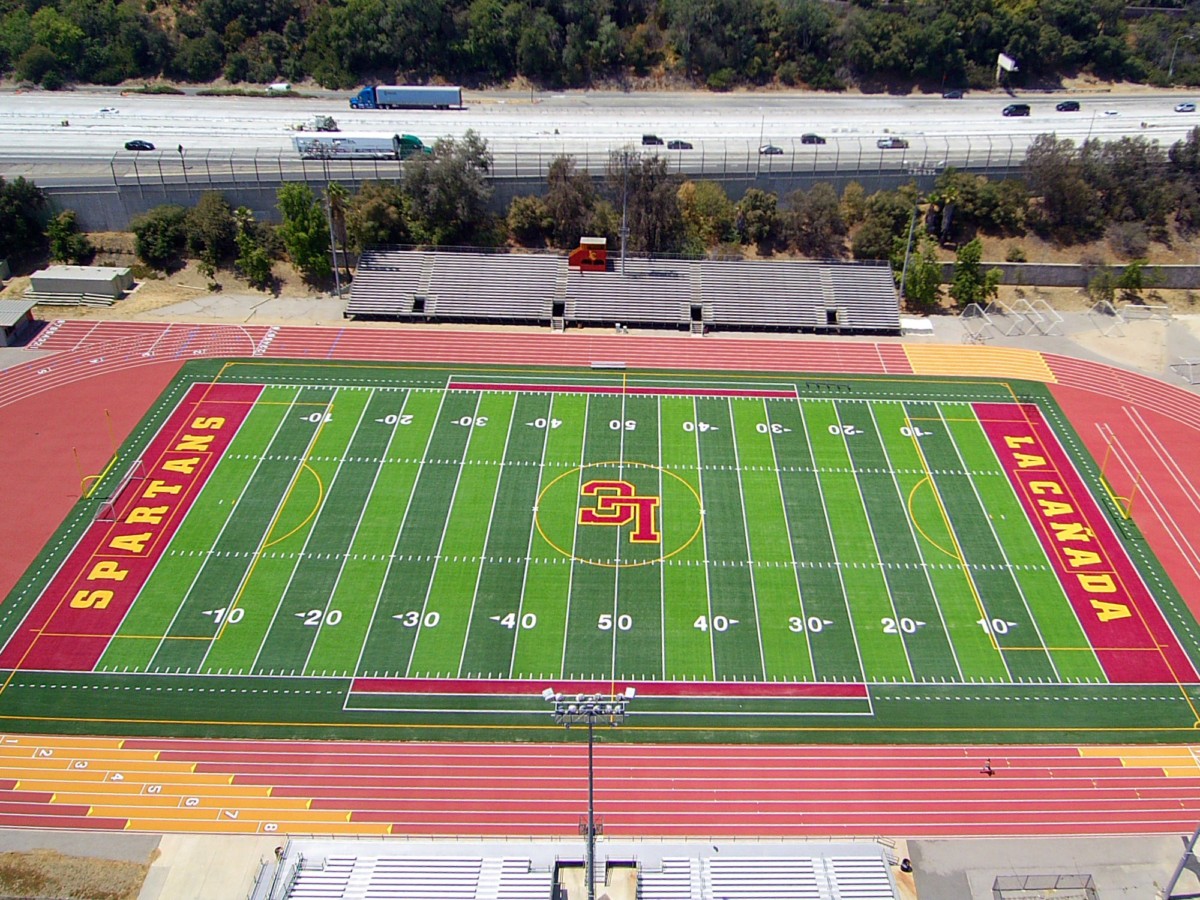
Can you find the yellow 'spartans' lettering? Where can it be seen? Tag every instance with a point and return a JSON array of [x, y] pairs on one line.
[[133, 543], [156, 487], [193, 442], [86, 599], [182, 466], [107, 569], [146, 515], [201, 423]]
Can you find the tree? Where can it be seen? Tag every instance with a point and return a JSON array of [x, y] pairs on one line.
[[211, 229], [446, 194], [160, 235], [708, 214], [971, 284], [528, 221], [375, 215], [1132, 281], [814, 224], [922, 287], [1068, 206], [253, 261], [757, 218], [21, 205], [304, 231], [651, 201], [570, 201], [338, 199], [67, 244]]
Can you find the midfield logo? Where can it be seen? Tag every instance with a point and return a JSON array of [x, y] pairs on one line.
[[618, 503]]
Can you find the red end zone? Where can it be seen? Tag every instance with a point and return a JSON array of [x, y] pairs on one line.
[[1124, 625], [77, 614]]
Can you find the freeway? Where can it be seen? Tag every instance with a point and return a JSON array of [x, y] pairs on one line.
[[526, 131]]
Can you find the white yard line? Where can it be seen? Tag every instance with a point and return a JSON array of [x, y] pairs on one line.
[[917, 543], [399, 533], [1003, 550], [512, 423], [304, 549], [232, 510], [512, 660], [862, 502], [787, 523], [832, 540], [737, 465], [357, 525]]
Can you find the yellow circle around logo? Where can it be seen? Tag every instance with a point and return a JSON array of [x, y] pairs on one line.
[[611, 514]]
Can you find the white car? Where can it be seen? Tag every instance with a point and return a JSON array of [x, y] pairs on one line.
[[1185, 107], [108, 110], [1111, 112]]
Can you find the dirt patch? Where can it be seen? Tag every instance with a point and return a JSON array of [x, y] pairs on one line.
[[50, 874]]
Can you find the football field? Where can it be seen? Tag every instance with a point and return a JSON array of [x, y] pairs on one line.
[[417, 545]]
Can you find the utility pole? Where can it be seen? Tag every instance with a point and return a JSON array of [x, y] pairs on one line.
[[571, 709]]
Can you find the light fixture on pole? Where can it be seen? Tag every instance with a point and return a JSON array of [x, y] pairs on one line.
[[575, 709]]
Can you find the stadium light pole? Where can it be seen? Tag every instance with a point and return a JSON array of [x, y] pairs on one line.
[[573, 709]]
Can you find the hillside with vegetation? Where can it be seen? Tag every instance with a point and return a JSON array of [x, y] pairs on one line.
[[721, 44]]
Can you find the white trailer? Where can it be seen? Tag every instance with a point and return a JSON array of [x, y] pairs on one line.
[[342, 146]]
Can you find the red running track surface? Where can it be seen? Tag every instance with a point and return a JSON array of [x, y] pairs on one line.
[[59, 401]]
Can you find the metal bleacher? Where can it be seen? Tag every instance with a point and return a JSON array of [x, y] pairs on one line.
[[651, 292], [420, 878], [820, 297]]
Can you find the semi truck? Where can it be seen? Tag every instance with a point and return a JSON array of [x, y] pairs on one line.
[[407, 97], [343, 146]]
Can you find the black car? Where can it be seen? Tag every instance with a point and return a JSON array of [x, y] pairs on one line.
[[956, 94], [770, 150], [138, 145], [651, 140], [1068, 106], [678, 145], [1017, 109], [811, 139]]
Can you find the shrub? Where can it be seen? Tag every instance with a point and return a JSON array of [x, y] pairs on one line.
[[1128, 239], [66, 242], [160, 235], [1015, 253], [528, 221]]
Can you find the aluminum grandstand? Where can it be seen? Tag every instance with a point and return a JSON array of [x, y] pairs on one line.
[[696, 295]]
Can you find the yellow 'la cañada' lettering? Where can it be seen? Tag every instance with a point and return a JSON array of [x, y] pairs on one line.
[[1079, 557], [1055, 508], [1045, 487], [1097, 584], [1072, 531], [1013, 441], [1029, 460], [1106, 611]]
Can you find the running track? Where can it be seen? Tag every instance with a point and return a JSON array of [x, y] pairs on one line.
[[63, 412]]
